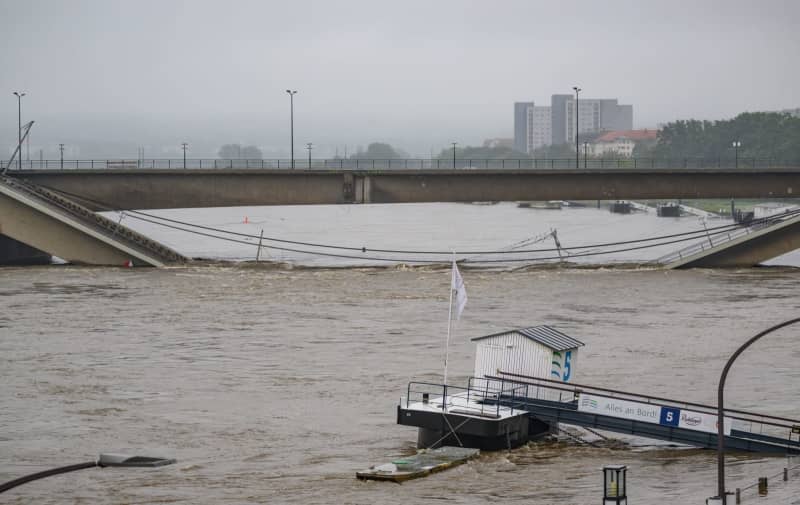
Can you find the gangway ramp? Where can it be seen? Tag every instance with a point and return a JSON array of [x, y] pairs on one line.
[[746, 246], [651, 417], [59, 226]]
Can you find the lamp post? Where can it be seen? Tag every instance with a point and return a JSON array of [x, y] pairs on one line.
[[291, 121], [585, 153], [104, 460], [721, 410], [61, 150], [454, 154], [184, 146], [736, 145], [577, 115], [19, 126], [309, 147]]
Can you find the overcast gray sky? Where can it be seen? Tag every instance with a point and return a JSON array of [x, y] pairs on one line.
[[417, 74]]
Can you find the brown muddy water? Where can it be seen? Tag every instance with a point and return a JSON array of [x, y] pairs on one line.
[[277, 385]]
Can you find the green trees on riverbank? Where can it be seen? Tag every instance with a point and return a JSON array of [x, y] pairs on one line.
[[762, 135]]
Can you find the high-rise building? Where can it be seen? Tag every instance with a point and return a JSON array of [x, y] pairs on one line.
[[538, 126], [540, 129], [594, 115], [521, 126], [532, 127]]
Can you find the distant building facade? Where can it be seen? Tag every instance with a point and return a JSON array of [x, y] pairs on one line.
[[594, 115], [539, 126], [621, 143], [521, 126], [498, 142], [532, 126]]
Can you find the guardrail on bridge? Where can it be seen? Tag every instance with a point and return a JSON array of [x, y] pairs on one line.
[[410, 164]]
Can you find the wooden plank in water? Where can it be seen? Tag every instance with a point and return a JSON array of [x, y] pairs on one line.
[[425, 462]]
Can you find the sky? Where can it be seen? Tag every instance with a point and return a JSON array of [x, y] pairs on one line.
[[106, 77]]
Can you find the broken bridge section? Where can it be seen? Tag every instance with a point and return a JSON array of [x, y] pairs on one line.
[[747, 246], [56, 225]]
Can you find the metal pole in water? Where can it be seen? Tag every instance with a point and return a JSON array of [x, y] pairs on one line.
[[260, 239]]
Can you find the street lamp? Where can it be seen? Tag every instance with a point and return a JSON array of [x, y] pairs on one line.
[[721, 410], [309, 147], [577, 114], [184, 146], [61, 150], [736, 145], [454, 153], [291, 121], [104, 460], [19, 126], [585, 153]]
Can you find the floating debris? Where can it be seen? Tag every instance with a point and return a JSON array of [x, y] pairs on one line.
[[422, 464]]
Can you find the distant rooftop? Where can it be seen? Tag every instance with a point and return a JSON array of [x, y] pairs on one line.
[[628, 134]]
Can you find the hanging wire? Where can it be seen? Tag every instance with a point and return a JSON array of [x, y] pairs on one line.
[[581, 251]]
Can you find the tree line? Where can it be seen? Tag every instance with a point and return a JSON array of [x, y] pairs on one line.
[[762, 135]]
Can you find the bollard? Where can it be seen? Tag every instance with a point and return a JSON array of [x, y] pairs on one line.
[[785, 474], [762, 486], [738, 496]]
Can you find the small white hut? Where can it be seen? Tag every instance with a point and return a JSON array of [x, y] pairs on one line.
[[538, 351]]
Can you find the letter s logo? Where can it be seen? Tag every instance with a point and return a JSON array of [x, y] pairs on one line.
[[567, 365]]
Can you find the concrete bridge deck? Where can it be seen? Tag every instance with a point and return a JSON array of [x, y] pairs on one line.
[[179, 188]]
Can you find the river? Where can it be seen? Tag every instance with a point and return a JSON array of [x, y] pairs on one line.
[[275, 384]]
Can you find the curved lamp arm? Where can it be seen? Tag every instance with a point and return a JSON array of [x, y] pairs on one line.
[[721, 410], [102, 461]]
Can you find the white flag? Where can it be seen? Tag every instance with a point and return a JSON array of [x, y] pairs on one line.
[[461, 291]]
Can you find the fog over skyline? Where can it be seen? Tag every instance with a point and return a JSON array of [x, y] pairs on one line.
[[415, 74]]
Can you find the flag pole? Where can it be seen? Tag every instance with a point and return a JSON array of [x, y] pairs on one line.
[[449, 317]]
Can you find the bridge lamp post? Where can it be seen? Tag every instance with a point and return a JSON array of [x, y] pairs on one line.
[[184, 146], [61, 150], [309, 147], [577, 115], [736, 145], [585, 153], [291, 122], [721, 496], [454, 154], [19, 127]]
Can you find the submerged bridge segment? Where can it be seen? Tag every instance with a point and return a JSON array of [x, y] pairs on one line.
[[746, 247], [43, 221]]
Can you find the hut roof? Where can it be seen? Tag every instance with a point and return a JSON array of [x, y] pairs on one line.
[[544, 335]]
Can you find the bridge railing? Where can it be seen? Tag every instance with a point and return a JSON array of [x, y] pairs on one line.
[[717, 238], [743, 421], [407, 164]]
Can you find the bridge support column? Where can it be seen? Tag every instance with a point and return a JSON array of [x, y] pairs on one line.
[[361, 188], [14, 252]]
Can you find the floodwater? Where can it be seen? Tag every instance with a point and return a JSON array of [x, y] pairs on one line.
[[275, 385]]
